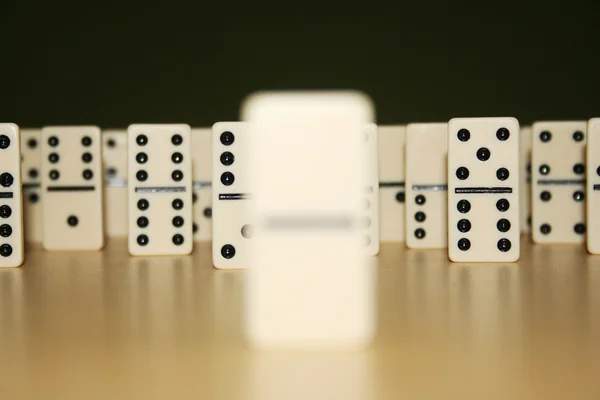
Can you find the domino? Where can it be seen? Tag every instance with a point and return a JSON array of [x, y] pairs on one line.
[[426, 186], [558, 182], [202, 183], [114, 156], [525, 178], [31, 165], [72, 188], [233, 226], [391, 183], [370, 220], [483, 190], [309, 284], [11, 209], [593, 186], [160, 189]]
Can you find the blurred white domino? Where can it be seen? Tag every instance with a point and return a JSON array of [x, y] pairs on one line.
[[525, 178], [232, 223], [370, 220], [593, 186], [202, 182], [391, 183], [114, 155], [309, 283], [426, 186], [483, 190], [160, 189], [558, 182], [11, 209], [72, 188], [31, 165]]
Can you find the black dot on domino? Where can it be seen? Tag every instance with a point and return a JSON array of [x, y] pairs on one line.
[[141, 140], [502, 134], [111, 172], [208, 212], [578, 196], [33, 198], [545, 136], [5, 211], [579, 169], [53, 158], [483, 154], [598, 171], [544, 169], [32, 143], [227, 138], [420, 233], [4, 142], [176, 139], [194, 198], [143, 204], [579, 228], [5, 230], [142, 240], [227, 158], [177, 204], [177, 175], [545, 229], [86, 141], [502, 174], [503, 225], [464, 244], [545, 196], [72, 221], [578, 136], [462, 173], [87, 174], [420, 216], [53, 141], [420, 199], [142, 222], [463, 206], [502, 205], [6, 179], [141, 175], [111, 143], [227, 178], [194, 227], [141, 157], [247, 231], [177, 222], [6, 250], [400, 197], [464, 225], [178, 239], [463, 135], [504, 245], [86, 157], [177, 158]]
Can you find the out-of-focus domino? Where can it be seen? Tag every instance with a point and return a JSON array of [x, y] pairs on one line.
[[391, 183], [114, 154], [202, 182], [31, 164]]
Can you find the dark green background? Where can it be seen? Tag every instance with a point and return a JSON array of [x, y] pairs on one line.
[[114, 64]]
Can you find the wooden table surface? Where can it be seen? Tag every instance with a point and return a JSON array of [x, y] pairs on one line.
[[103, 325]]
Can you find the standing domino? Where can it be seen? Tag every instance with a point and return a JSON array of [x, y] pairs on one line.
[[427, 186], [72, 188], [160, 189], [391, 183], [31, 164], [232, 222], [525, 178], [558, 182], [593, 186], [483, 190], [371, 200], [202, 175], [114, 154], [11, 208], [309, 284]]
